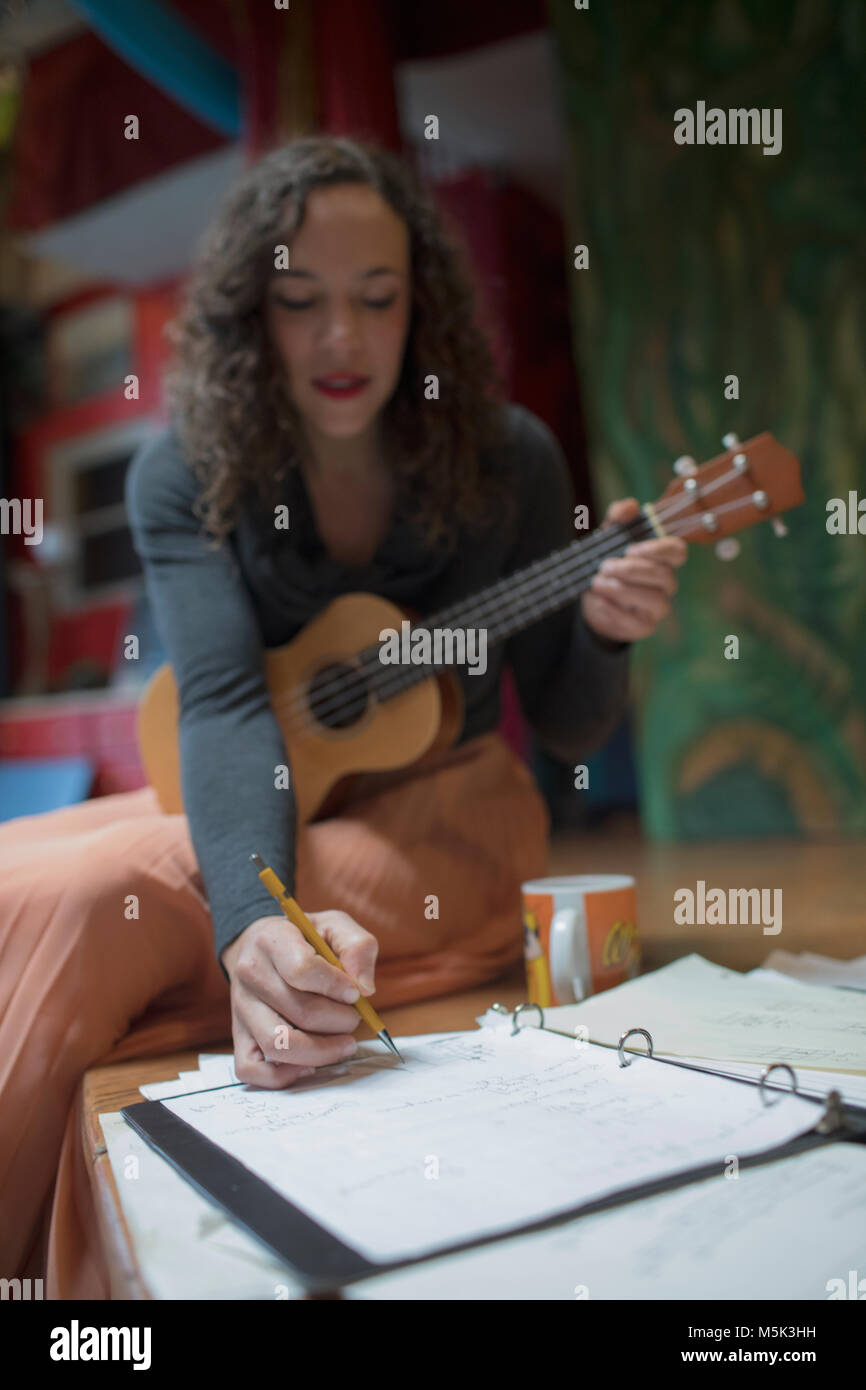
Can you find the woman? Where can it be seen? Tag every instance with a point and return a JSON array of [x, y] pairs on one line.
[[326, 362]]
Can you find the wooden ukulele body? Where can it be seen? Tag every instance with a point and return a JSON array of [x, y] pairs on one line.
[[324, 761]]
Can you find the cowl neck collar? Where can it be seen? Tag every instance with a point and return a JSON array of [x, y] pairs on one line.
[[299, 558]]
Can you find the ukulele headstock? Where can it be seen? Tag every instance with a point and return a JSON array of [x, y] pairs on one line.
[[746, 484]]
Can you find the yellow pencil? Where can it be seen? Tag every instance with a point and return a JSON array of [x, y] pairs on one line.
[[299, 919]]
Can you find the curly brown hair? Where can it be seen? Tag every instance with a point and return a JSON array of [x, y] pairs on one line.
[[226, 384]]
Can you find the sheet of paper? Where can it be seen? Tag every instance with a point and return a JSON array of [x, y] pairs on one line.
[[850, 1086], [813, 1083], [693, 1008], [779, 1231], [217, 1069], [209, 1075], [479, 1132], [788, 1230], [819, 970], [186, 1246]]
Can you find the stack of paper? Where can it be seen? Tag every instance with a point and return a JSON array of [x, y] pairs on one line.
[[480, 1132], [483, 1130], [214, 1069], [791, 1229]]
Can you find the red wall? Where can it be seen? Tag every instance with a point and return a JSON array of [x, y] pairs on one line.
[[93, 633]]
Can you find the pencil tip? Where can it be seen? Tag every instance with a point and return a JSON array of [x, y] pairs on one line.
[[389, 1042]]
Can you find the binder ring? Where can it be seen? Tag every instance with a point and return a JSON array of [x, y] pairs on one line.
[[778, 1066], [624, 1038], [832, 1118], [519, 1010]]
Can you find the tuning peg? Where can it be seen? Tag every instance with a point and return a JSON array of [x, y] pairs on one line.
[[731, 440], [779, 527], [684, 465], [728, 548]]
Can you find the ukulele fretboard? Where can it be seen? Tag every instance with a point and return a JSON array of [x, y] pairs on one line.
[[509, 605]]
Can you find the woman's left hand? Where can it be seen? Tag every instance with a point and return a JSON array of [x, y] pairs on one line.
[[630, 594]]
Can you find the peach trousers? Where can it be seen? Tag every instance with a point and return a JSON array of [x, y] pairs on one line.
[[80, 983]]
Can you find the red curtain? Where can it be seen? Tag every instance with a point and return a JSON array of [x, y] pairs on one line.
[[321, 65], [354, 56], [515, 246], [69, 150], [517, 251]]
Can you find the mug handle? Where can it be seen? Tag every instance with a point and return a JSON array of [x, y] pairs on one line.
[[569, 963]]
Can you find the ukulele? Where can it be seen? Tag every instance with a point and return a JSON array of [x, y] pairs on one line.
[[345, 713]]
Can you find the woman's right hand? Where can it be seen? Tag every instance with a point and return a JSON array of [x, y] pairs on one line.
[[291, 1009]]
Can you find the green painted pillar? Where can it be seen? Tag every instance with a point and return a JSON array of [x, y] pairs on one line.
[[706, 262]]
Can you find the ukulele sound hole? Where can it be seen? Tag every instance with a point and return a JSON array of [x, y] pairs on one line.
[[338, 696]]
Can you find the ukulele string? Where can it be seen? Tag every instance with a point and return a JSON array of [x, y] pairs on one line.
[[597, 547], [531, 578], [530, 614], [539, 575], [533, 582], [549, 582], [331, 701]]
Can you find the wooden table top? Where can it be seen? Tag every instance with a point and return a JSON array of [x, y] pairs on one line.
[[823, 910]]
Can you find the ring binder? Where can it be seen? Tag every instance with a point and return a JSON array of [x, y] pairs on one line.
[[624, 1038], [777, 1066], [519, 1010], [323, 1261], [833, 1117]]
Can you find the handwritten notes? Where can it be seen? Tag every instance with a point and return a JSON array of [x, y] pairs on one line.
[[787, 1230], [481, 1132], [693, 1008]]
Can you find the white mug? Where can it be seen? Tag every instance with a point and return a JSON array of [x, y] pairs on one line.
[[580, 935]]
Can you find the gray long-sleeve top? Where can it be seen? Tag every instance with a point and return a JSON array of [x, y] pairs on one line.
[[218, 609]]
